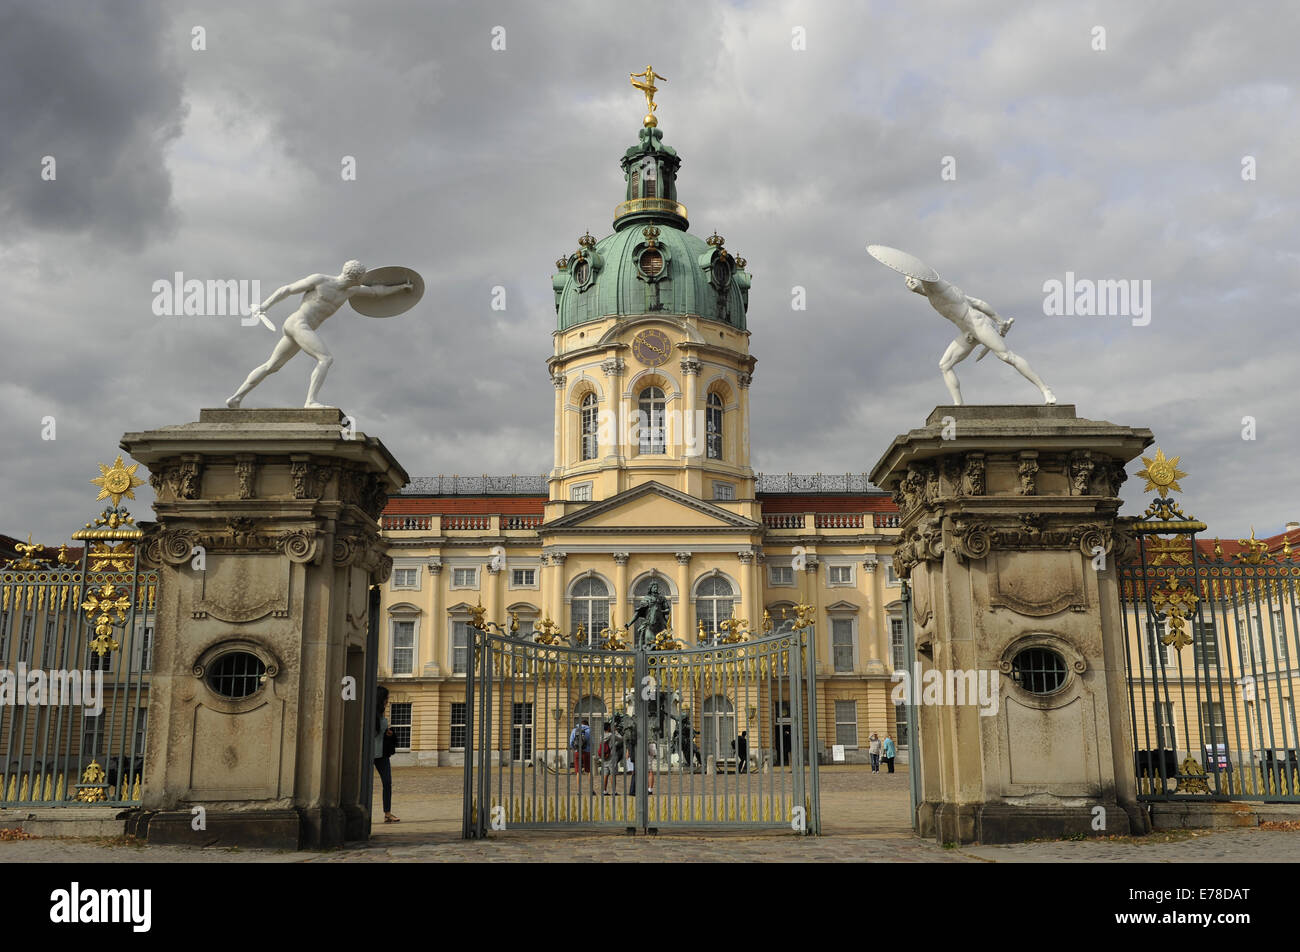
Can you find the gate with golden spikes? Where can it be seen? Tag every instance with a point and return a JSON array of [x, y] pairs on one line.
[[76, 646], [713, 737], [1212, 638]]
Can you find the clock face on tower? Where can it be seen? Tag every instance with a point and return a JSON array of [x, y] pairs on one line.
[[652, 348]]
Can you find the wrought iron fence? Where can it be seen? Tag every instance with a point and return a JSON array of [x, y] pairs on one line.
[[76, 648], [1211, 651], [717, 736]]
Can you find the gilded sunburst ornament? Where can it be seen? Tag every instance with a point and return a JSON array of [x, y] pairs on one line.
[[1161, 474], [117, 481]]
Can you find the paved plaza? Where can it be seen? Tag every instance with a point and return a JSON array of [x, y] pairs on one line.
[[864, 820]]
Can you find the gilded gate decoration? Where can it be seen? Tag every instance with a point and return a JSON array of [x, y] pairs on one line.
[[715, 736], [1212, 653], [76, 647]]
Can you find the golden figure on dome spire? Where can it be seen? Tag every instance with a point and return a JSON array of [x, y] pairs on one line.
[[647, 85]]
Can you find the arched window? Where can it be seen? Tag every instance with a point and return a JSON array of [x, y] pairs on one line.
[[589, 415], [651, 421], [719, 728], [713, 424], [590, 608], [714, 599]]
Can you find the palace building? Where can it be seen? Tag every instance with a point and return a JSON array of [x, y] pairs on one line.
[[651, 482]]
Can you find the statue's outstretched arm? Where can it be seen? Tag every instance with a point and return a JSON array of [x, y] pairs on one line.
[[380, 290], [300, 286]]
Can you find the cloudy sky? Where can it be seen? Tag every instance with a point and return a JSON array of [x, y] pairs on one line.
[[479, 167]]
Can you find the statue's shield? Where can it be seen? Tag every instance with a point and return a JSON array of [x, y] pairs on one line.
[[903, 263], [392, 304]]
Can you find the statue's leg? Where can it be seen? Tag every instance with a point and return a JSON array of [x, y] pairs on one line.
[[990, 338], [313, 345], [279, 357], [957, 351]]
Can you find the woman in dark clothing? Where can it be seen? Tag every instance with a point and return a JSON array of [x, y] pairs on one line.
[[384, 745]]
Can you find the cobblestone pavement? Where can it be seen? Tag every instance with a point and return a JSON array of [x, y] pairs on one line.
[[864, 820]]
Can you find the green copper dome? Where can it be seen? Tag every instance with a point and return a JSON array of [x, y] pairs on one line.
[[651, 264]]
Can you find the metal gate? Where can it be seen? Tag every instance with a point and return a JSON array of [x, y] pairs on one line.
[[76, 648], [1212, 655], [721, 735]]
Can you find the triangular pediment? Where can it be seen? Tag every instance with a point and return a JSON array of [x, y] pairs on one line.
[[651, 505]]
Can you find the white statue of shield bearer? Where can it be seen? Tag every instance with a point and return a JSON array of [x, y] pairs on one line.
[[383, 292], [977, 322]]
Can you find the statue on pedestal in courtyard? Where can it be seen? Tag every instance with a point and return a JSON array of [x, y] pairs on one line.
[[322, 295], [976, 321], [651, 616]]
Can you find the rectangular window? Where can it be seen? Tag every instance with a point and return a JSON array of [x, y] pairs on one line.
[[1158, 655], [403, 647], [464, 578], [901, 735], [580, 493], [896, 644], [1279, 632], [1212, 724], [1166, 726], [523, 578], [459, 647], [141, 721], [25, 640], [50, 646], [142, 653], [891, 577], [846, 723], [399, 718], [92, 735], [842, 645], [98, 662], [724, 491], [457, 722], [526, 628], [841, 575], [780, 574], [406, 578], [521, 741], [1205, 645]]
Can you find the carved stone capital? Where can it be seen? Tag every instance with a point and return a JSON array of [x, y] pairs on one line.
[[558, 381], [973, 475], [434, 566], [1080, 470], [870, 563], [683, 558], [744, 379], [613, 367], [1027, 469], [691, 366], [620, 558], [245, 474]]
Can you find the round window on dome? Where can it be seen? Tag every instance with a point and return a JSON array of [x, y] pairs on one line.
[[721, 272], [581, 271], [1039, 670], [651, 263], [236, 675]]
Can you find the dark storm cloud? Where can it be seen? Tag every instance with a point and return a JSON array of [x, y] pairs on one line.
[[94, 86], [480, 167]]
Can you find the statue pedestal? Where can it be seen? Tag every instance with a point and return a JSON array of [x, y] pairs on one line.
[[266, 541], [1009, 543]]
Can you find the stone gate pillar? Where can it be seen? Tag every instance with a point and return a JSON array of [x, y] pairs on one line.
[[1009, 540], [266, 541]]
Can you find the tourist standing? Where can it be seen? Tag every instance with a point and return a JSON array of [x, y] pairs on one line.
[[874, 747], [580, 744], [385, 743], [890, 752]]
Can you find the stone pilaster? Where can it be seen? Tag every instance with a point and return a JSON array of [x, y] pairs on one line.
[[999, 526], [250, 716]]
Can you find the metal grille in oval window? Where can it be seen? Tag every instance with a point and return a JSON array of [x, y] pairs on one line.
[[652, 263], [236, 674]]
